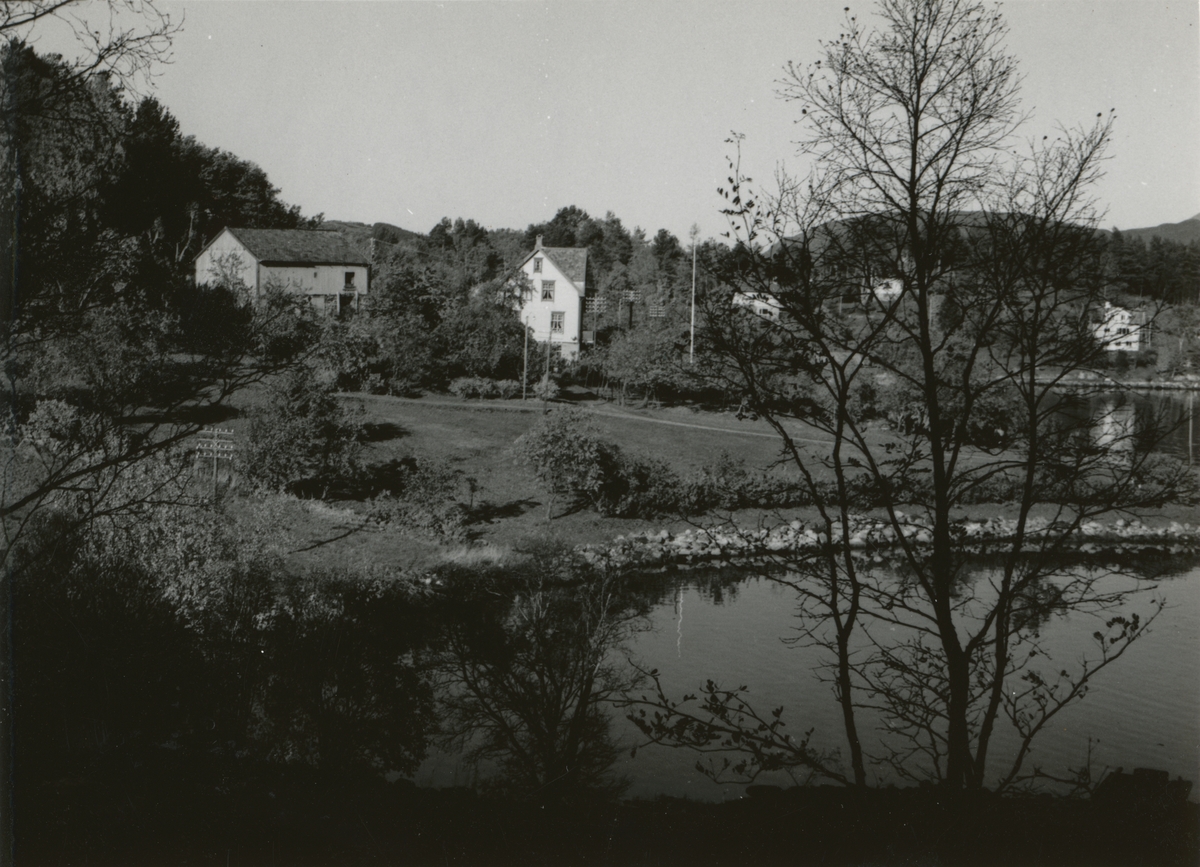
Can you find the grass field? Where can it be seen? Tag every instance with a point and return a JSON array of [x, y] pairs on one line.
[[507, 504]]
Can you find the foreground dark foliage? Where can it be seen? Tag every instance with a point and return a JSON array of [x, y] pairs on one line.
[[173, 815]]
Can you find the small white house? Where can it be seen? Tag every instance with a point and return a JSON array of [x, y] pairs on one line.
[[762, 304], [1124, 330], [552, 303], [883, 291], [323, 265]]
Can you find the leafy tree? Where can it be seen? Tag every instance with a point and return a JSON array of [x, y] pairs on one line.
[[568, 456], [482, 339], [303, 434], [992, 266]]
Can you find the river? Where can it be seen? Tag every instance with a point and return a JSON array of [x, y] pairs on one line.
[[1144, 711]]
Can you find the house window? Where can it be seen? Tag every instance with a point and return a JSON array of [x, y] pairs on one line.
[[537, 266], [547, 290], [556, 322], [349, 279]]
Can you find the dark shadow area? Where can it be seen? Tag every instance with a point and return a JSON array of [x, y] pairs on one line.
[[379, 432], [575, 394], [303, 816], [486, 512], [372, 481], [345, 534]]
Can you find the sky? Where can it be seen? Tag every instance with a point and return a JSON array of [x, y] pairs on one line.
[[504, 112]]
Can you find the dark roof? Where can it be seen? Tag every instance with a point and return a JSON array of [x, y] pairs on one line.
[[300, 246], [572, 261]]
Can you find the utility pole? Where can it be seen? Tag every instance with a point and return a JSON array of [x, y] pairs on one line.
[[216, 443], [695, 233], [525, 366]]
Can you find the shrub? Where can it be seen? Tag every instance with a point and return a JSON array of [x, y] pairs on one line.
[[642, 489], [485, 389], [546, 389], [303, 434], [508, 388], [425, 499], [568, 456]]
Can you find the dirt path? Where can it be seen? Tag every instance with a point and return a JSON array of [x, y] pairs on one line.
[[615, 413], [600, 409]]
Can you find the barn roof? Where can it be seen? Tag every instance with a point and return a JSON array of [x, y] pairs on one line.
[[300, 246]]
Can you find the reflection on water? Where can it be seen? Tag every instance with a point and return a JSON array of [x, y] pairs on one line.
[[511, 672], [528, 669], [1114, 426], [1127, 420], [1143, 712]]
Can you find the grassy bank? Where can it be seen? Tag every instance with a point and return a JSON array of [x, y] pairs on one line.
[[507, 507]]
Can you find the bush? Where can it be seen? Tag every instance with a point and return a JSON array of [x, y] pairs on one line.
[[508, 388], [485, 389], [426, 500], [642, 489], [572, 461], [568, 457], [546, 389], [303, 435]]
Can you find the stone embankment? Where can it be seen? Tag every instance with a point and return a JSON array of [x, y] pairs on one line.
[[875, 539]]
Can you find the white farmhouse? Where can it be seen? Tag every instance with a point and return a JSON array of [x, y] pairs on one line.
[[883, 292], [552, 304], [1119, 329], [323, 265], [762, 304]]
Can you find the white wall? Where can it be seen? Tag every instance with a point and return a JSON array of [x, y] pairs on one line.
[[568, 300], [324, 283], [223, 247], [1121, 330], [314, 279]]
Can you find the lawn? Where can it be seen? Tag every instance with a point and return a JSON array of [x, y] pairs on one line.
[[508, 506], [507, 503]]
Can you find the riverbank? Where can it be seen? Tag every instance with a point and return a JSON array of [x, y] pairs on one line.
[[1093, 381], [875, 538]]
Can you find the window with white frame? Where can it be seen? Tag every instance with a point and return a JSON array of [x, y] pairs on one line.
[[547, 290], [556, 322], [537, 266]]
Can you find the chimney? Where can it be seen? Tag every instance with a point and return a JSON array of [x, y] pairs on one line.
[[539, 243]]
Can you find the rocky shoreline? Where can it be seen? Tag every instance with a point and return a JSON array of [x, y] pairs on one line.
[[874, 539]]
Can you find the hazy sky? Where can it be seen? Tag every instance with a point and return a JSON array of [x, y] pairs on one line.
[[504, 112]]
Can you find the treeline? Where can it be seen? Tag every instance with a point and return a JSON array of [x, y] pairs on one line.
[[442, 306], [105, 199], [1158, 269]]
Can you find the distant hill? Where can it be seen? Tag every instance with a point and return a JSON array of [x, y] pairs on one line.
[[362, 233], [1184, 232]]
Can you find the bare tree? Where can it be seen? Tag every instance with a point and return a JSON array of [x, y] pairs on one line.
[[930, 275], [126, 39]]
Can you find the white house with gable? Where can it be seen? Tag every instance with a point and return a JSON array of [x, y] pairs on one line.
[[762, 304], [1119, 329], [552, 303], [321, 264]]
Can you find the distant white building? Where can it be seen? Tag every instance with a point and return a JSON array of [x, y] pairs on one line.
[[323, 265], [762, 304], [552, 304], [1119, 329], [883, 291]]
